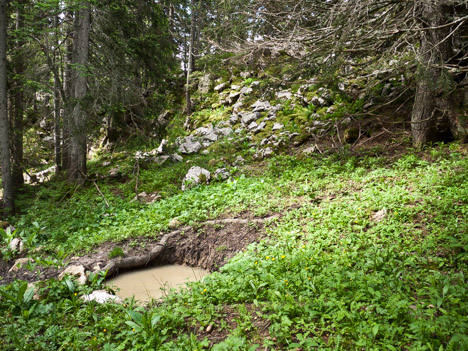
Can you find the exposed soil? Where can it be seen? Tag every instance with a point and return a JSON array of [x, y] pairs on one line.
[[208, 245]]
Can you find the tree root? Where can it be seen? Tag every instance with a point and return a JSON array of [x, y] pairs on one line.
[[144, 259]]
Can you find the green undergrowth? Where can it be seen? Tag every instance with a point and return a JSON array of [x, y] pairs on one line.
[[330, 274]]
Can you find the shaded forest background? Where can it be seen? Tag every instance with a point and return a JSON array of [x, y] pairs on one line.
[[78, 75]]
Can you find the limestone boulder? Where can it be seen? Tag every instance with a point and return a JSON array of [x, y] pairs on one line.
[[250, 117], [195, 176], [189, 145], [101, 296], [220, 87], [260, 106], [75, 271]]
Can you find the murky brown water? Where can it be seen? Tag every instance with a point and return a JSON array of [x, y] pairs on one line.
[[155, 282]]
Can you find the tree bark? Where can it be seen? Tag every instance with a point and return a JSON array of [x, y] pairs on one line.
[[78, 147], [430, 84], [190, 64], [18, 101], [57, 115], [7, 181], [67, 99]]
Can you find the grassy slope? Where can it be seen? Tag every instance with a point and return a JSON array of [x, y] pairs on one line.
[[327, 277]]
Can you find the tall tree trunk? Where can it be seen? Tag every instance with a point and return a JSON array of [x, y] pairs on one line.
[[57, 115], [67, 100], [78, 147], [18, 101], [432, 54], [7, 181], [190, 64]]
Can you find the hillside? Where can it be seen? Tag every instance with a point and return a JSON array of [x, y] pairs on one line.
[[323, 227]]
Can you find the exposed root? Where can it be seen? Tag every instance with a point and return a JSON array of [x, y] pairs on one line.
[[157, 249]]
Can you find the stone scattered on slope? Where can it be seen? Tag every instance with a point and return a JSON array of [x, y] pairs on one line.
[[233, 97], [239, 161], [189, 145], [252, 126], [379, 215], [195, 176], [176, 158], [284, 94], [75, 271], [260, 127], [221, 174], [277, 126], [260, 106], [263, 153], [16, 245], [101, 296], [160, 149], [222, 130], [220, 87], [250, 117], [246, 90], [237, 106], [20, 262]]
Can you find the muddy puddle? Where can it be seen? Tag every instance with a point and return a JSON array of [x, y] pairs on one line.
[[155, 282]]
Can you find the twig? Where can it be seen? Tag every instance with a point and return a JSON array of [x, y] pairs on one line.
[[100, 192], [137, 167], [374, 137]]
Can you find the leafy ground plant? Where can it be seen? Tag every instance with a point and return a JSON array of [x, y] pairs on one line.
[[369, 253]]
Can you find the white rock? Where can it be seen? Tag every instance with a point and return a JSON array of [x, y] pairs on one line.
[[260, 106], [234, 119], [235, 87], [379, 215], [285, 94], [101, 296], [237, 106], [239, 160], [20, 262], [212, 137], [260, 127], [161, 146], [220, 87], [250, 117], [190, 145], [252, 126], [75, 271], [16, 245], [221, 174], [195, 176], [224, 131], [277, 126], [318, 101], [309, 150], [246, 90]]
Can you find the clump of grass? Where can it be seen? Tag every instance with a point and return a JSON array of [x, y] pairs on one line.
[[116, 252]]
